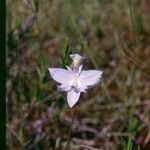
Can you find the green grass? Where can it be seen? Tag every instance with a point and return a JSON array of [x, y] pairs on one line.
[[114, 35]]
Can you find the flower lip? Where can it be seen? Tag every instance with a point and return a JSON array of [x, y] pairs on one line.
[[77, 58]]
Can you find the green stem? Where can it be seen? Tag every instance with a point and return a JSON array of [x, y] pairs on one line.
[[129, 146], [70, 130], [131, 15]]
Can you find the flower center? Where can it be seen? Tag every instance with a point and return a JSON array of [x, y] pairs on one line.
[[75, 82]]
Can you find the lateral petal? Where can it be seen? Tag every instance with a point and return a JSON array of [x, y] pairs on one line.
[[60, 75], [90, 78]]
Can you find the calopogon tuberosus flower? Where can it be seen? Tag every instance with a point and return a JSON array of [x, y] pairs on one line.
[[74, 80]]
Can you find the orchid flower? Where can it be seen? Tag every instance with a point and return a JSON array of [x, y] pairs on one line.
[[75, 80]]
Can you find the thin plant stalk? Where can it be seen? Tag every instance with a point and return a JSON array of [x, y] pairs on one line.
[[70, 130], [8, 131], [19, 91]]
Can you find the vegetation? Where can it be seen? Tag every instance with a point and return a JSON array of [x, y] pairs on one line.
[[115, 37]]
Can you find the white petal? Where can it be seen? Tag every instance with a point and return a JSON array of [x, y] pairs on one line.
[[90, 78], [82, 88], [80, 68], [62, 76], [63, 88], [68, 68], [72, 97], [77, 68]]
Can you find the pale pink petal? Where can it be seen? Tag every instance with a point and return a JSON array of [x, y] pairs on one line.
[[63, 88], [90, 78], [72, 97], [62, 76], [80, 69], [82, 88], [68, 68]]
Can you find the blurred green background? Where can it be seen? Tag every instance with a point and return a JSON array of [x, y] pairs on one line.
[[114, 35]]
